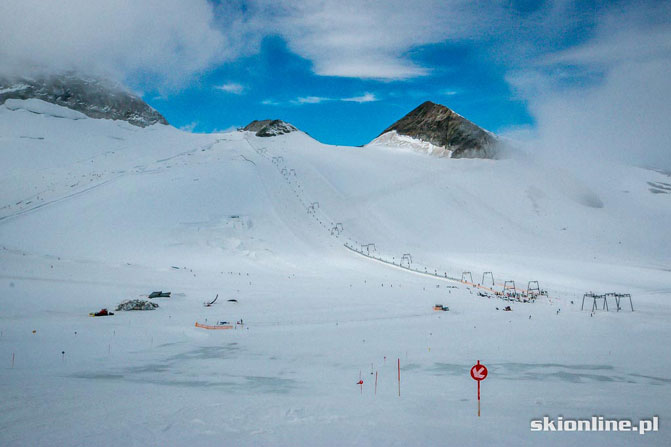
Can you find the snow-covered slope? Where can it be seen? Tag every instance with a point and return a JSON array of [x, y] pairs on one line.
[[96, 211], [393, 140], [40, 107]]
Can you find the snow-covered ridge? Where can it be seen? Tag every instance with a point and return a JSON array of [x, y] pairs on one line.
[[40, 107], [395, 140]]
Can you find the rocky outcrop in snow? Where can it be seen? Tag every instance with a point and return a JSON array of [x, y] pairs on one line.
[[269, 128], [94, 98], [442, 128], [136, 305]]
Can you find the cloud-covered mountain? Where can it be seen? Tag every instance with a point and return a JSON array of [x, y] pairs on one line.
[[93, 97]]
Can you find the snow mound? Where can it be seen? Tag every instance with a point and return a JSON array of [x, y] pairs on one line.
[[394, 139], [43, 108]]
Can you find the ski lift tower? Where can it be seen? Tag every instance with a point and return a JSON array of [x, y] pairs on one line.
[[337, 229], [509, 289], [486, 275], [594, 297], [618, 298], [533, 289]]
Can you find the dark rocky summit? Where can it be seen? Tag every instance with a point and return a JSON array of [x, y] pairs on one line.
[[94, 98], [269, 128], [440, 126]]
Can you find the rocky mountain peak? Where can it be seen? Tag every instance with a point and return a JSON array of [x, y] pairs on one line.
[[440, 126]]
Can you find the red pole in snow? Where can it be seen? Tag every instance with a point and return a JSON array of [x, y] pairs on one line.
[[479, 373], [399, 377], [478, 398]]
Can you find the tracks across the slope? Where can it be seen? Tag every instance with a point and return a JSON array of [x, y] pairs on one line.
[[104, 178], [337, 231], [443, 277]]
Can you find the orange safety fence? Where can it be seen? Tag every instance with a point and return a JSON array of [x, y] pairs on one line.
[[478, 286], [205, 326]]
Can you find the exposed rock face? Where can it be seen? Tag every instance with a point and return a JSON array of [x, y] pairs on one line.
[[269, 128], [92, 97], [440, 126]]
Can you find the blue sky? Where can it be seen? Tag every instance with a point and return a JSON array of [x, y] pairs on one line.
[[275, 83], [585, 77]]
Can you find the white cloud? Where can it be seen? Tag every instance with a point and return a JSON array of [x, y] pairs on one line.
[[232, 87], [448, 92], [608, 99], [366, 97], [311, 99], [155, 41], [166, 42], [302, 100], [351, 38]]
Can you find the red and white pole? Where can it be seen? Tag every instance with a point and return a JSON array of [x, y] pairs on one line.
[[399, 377], [479, 373], [478, 398]]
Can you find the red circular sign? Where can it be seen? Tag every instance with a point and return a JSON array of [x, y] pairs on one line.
[[479, 372]]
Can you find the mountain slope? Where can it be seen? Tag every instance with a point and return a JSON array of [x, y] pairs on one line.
[[94, 98], [441, 127], [399, 201]]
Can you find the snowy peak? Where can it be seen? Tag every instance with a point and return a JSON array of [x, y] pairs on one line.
[[269, 128], [395, 140], [94, 98], [446, 133]]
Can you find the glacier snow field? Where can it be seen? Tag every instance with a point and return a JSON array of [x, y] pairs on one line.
[[94, 212]]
